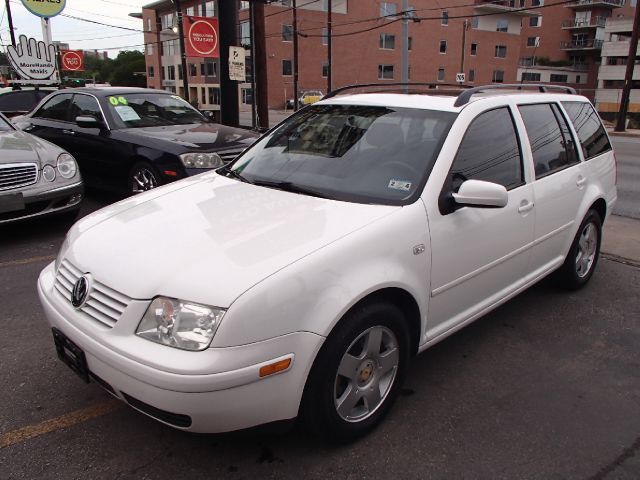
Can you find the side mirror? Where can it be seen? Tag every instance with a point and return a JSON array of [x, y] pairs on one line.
[[478, 193], [86, 121]]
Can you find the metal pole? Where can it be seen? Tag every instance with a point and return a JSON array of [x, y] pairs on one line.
[[229, 105], [464, 45], [252, 31], [295, 56], [260, 73], [628, 78], [329, 44], [183, 52], [10, 19], [405, 43]]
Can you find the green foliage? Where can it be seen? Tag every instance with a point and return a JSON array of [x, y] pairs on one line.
[[119, 71]]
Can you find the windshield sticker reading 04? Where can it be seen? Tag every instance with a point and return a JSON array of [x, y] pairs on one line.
[[399, 185], [115, 101], [126, 113]]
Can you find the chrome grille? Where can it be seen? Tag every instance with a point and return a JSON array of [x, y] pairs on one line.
[[16, 175], [228, 155], [104, 305]]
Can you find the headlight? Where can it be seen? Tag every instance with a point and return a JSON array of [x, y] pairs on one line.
[[179, 324], [201, 160], [66, 165], [49, 173]]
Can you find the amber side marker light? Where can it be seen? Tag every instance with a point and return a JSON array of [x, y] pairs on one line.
[[275, 367]]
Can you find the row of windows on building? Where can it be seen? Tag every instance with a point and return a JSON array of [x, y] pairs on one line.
[[207, 69]]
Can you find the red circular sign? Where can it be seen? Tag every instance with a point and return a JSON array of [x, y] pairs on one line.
[[203, 37], [71, 61]]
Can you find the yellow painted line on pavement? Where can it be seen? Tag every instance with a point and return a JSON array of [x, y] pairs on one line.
[[70, 419], [25, 261]]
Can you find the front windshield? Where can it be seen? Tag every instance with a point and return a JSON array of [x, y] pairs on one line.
[[5, 126], [366, 154], [152, 110]]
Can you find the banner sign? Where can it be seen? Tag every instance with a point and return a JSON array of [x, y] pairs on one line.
[[32, 59], [237, 69], [72, 60], [201, 37], [45, 8]]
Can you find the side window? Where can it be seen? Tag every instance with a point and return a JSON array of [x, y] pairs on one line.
[[85, 105], [489, 151], [18, 101], [591, 133], [550, 149], [56, 108]]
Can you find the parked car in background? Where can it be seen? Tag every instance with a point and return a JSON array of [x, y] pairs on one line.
[[302, 278], [18, 102], [36, 177], [307, 98], [133, 139]]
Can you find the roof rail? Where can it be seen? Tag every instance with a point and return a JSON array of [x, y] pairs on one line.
[[466, 95], [432, 86]]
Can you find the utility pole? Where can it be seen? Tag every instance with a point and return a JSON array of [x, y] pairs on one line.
[[260, 94], [329, 44], [10, 19], [183, 52], [464, 44], [295, 55], [405, 42], [252, 31], [228, 15], [628, 78]]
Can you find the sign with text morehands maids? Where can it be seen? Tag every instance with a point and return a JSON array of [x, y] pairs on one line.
[[45, 8], [201, 37]]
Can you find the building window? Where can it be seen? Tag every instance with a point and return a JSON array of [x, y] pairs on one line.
[[533, 41], [440, 76], [557, 78], [190, 11], [445, 18], [150, 72], [209, 9], [214, 95], [530, 77], [385, 72], [501, 51], [325, 36], [245, 34], [443, 46], [388, 9], [244, 5], [535, 21], [502, 25], [149, 48], [325, 69], [474, 49], [538, 3], [475, 21], [287, 68], [171, 72], [148, 24], [193, 71], [208, 69], [410, 45], [387, 42], [287, 33], [472, 75], [578, 78], [498, 76]]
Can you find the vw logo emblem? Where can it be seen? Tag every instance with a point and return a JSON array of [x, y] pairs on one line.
[[80, 291]]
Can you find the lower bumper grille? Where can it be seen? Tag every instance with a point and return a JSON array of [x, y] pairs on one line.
[[175, 419]]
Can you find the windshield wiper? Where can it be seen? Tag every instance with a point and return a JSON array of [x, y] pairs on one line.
[[232, 173], [291, 187]]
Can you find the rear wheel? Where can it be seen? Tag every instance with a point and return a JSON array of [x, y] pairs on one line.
[[583, 255], [358, 373], [142, 177]]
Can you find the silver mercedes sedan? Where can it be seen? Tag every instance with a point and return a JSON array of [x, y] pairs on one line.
[[36, 177]]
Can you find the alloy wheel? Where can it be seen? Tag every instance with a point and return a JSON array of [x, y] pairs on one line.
[[587, 246]]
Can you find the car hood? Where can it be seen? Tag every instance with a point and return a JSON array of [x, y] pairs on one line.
[[198, 136], [21, 147], [208, 239]]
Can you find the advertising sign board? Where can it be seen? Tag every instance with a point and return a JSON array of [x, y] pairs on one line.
[[201, 37], [72, 60], [32, 59], [45, 9]]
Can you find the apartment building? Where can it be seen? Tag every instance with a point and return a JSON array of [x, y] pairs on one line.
[[503, 41]]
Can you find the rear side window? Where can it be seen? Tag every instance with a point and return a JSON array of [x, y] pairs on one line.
[[18, 101], [56, 108], [591, 133], [551, 144], [84, 105], [489, 151]]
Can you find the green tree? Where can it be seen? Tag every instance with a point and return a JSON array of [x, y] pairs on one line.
[[128, 69]]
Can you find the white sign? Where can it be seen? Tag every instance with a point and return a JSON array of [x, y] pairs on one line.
[[236, 64], [32, 59], [460, 77]]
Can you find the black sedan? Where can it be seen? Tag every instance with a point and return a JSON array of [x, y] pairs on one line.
[[133, 139]]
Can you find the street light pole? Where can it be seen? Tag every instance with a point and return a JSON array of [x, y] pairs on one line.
[[10, 19], [295, 56], [183, 52], [329, 45]]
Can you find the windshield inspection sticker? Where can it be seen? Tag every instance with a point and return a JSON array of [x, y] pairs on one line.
[[126, 113], [403, 185]]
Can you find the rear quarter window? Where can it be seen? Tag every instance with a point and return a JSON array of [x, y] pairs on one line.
[[591, 132]]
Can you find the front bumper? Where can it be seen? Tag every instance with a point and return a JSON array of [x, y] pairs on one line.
[[39, 201], [225, 394]]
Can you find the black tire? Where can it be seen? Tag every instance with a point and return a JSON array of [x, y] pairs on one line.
[[320, 411], [577, 269], [142, 177]]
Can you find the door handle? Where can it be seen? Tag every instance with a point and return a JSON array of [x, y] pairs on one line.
[[68, 132], [581, 181], [525, 206]]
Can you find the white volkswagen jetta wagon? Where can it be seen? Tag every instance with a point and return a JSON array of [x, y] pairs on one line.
[[301, 279]]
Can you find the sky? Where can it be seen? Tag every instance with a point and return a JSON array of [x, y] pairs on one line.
[[81, 35]]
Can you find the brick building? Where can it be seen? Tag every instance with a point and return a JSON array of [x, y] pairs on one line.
[[504, 41]]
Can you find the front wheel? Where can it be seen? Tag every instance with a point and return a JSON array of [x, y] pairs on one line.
[[142, 177], [583, 255], [358, 373]]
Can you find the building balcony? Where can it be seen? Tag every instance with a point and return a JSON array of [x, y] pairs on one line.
[[589, 4], [503, 6], [589, 44], [533, 62], [577, 23]]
